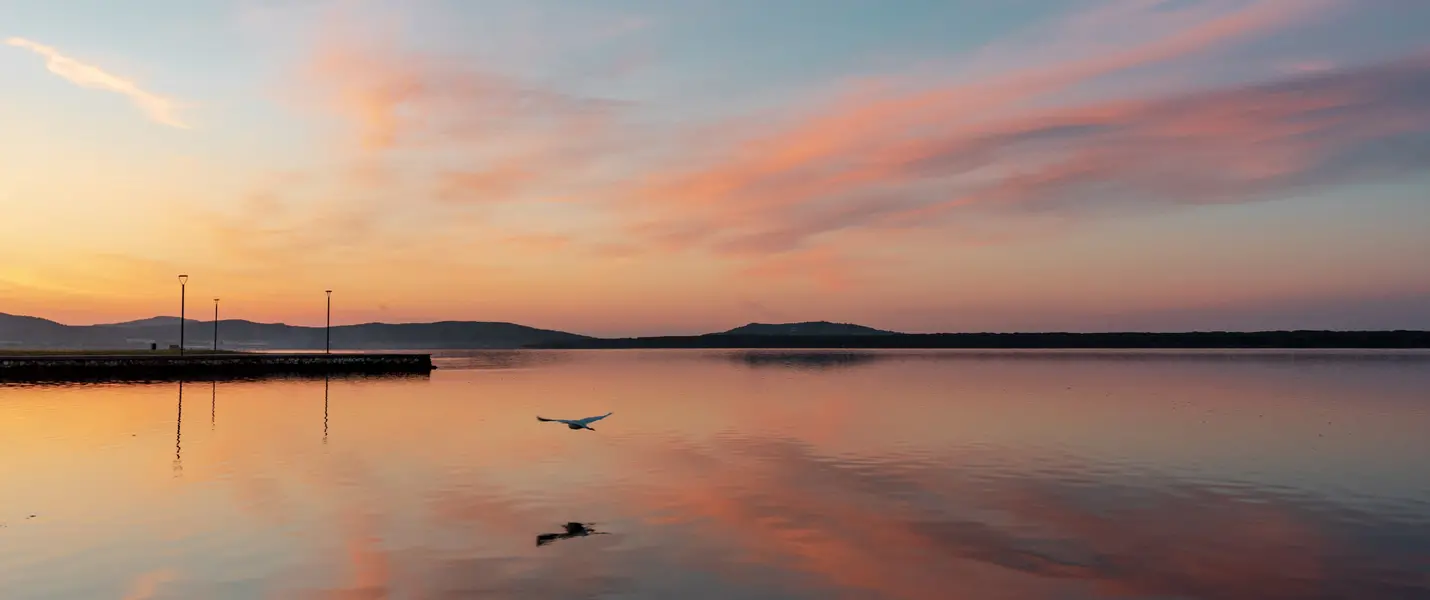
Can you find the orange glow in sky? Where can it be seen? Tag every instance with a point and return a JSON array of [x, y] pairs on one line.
[[1215, 164]]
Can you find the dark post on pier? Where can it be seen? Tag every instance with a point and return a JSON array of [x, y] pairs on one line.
[[328, 329], [183, 282]]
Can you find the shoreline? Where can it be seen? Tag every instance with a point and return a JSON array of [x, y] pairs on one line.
[[81, 366]]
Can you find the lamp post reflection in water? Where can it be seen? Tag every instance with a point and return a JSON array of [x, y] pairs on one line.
[[179, 434], [213, 403], [325, 409]]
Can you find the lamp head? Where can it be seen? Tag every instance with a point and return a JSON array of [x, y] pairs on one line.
[[329, 292], [183, 279]]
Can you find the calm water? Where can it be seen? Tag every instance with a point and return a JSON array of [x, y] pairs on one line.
[[724, 475]]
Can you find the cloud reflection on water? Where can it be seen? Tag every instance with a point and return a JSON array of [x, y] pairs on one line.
[[762, 515], [908, 479], [919, 526]]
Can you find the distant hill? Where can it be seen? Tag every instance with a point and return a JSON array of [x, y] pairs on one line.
[[31, 332], [806, 328], [157, 321], [1192, 339], [15, 327]]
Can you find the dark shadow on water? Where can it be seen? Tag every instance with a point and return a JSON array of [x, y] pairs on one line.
[[497, 359], [572, 530], [806, 359]]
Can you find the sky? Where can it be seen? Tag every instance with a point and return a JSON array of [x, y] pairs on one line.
[[635, 167]]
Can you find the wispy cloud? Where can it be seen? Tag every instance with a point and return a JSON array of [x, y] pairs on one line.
[[1011, 146], [1029, 139], [829, 268], [395, 98], [457, 136], [159, 108]]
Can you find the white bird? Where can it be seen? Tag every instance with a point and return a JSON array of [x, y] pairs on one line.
[[576, 423]]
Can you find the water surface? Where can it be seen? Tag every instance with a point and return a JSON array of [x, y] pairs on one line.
[[734, 474]]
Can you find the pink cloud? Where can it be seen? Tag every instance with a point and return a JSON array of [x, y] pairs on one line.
[[1310, 66], [826, 267], [1225, 146], [393, 97], [855, 162], [413, 127], [539, 242]]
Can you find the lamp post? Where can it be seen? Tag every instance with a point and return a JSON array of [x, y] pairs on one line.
[[215, 324], [328, 329], [183, 282]]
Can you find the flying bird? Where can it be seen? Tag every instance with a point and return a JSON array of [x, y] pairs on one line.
[[576, 423]]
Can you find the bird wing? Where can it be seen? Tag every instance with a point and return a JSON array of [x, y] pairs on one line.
[[541, 418], [589, 420]]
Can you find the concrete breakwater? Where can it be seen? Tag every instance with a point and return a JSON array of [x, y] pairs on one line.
[[129, 366]]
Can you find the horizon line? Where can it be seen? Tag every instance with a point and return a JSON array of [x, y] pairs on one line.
[[888, 331]]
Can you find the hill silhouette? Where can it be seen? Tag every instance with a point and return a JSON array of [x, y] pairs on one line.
[[33, 332], [155, 321], [824, 328], [1195, 339]]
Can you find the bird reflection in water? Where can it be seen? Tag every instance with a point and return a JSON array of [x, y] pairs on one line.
[[573, 529]]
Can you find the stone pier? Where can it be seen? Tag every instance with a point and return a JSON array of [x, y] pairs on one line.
[[197, 366]]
